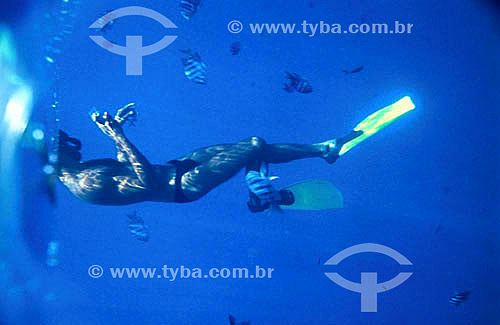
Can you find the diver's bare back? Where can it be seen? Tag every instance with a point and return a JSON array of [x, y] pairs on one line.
[[109, 182]]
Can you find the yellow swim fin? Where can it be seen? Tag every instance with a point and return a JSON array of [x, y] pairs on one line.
[[314, 195], [379, 120]]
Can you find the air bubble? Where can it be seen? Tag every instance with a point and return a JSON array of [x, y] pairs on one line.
[[48, 169], [38, 134], [53, 158]]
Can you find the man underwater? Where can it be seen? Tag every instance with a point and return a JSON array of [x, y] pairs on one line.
[[131, 178]]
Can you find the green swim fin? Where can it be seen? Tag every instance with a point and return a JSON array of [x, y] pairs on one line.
[[314, 195], [379, 120]]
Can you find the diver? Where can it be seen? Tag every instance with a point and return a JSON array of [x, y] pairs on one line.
[[131, 178]]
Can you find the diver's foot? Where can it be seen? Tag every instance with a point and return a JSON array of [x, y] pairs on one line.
[[332, 147], [331, 151]]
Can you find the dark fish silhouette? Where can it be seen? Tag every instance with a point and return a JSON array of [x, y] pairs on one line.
[[137, 228], [458, 299], [297, 83], [188, 8], [358, 69], [232, 321], [194, 69], [235, 48]]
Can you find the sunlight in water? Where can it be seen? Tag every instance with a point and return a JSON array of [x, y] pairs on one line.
[[18, 110]]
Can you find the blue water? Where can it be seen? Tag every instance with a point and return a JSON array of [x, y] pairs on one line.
[[427, 186]]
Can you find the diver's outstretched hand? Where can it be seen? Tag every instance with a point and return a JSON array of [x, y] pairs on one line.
[[112, 126], [107, 124]]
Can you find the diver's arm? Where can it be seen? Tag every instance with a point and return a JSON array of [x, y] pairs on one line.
[[139, 162], [123, 114], [140, 165], [121, 156]]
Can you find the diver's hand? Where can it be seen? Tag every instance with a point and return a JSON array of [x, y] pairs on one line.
[[125, 113], [108, 125]]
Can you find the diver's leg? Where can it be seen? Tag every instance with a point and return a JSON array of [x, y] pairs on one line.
[[280, 153], [204, 154], [283, 153], [223, 162], [220, 166], [272, 153]]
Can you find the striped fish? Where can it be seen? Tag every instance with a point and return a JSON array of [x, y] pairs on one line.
[[261, 187], [458, 299], [188, 8], [137, 228], [194, 69], [297, 83], [259, 183]]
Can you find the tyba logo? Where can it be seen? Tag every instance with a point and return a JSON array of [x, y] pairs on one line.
[[369, 288], [133, 50]]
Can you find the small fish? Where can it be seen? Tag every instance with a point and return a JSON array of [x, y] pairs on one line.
[[188, 8], [235, 48], [263, 195], [358, 69], [458, 299], [261, 186], [194, 69], [232, 321], [137, 228], [297, 83], [259, 183]]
